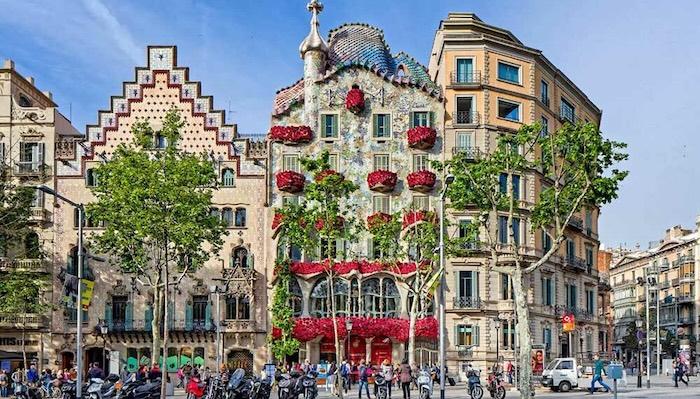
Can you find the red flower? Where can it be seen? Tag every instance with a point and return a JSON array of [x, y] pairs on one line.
[[421, 179], [290, 181], [377, 219], [339, 222], [413, 217], [381, 180], [277, 220], [346, 267], [422, 137], [355, 100], [291, 134], [308, 328], [325, 173]]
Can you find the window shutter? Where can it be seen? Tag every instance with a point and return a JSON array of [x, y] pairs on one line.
[[2, 153], [412, 117], [148, 318], [476, 335], [207, 316], [456, 341], [334, 118], [375, 125], [108, 314], [476, 283], [458, 286], [339, 248], [188, 316], [40, 150], [370, 248], [431, 118], [128, 323]]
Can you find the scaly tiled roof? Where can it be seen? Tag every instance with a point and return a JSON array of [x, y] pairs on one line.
[[362, 45]]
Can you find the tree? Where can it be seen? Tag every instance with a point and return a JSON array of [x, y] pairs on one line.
[[155, 204], [21, 292], [322, 219], [416, 245], [577, 169]]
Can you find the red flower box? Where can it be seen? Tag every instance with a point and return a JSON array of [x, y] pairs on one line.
[[381, 180], [355, 100], [377, 219], [347, 267], [309, 328], [320, 176], [423, 180], [290, 181], [414, 217], [277, 220], [291, 134], [421, 137]]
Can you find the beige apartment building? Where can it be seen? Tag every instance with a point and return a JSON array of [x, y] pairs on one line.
[[672, 262], [493, 84], [30, 127]]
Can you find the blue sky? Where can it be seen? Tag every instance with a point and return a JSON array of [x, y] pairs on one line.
[[635, 59]]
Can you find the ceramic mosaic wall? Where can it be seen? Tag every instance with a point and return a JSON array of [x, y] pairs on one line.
[[355, 145]]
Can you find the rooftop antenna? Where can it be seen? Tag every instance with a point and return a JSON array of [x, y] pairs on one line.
[[70, 112]]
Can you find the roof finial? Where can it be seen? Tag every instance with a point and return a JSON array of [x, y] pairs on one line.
[[314, 41]]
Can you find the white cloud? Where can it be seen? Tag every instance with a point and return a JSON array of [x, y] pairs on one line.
[[116, 30]]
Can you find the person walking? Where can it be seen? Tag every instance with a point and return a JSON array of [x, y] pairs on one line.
[[365, 372], [679, 372], [332, 374], [388, 372], [406, 376], [598, 371], [344, 373], [4, 382]]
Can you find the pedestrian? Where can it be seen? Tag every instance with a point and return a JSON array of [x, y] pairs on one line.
[[306, 367], [155, 372], [187, 372], [388, 372], [330, 380], [345, 375], [679, 372], [598, 371], [397, 371], [18, 377], [365, 372], [3, 383], [406, 376], [32, 375], [414, 374], [96, 372]]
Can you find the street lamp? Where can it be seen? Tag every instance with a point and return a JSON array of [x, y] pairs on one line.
[[79, 325], [443, 282], [214, 289], [639, 322], [497, 323], [104, 329], [348, 328]]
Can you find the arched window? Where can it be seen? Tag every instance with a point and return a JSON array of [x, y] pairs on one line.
[[24, 101], [425, 306], [320, 303], [239, 257], [228, 177], [238, 308], [91, 178], [240, 217], [227, 217], [354, 298], [161, 141], [32, 248], [72, 264], [295, 297], [372, 297], [215, 212], [390, 298]]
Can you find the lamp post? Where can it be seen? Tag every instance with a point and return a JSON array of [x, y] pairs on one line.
[[497, 323], [348, 327], [214, 289], [79, 325], [104, 329], [443, 282], [639, 322]]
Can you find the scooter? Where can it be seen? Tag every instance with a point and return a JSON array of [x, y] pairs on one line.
[[309, 387], [287, 383], [195, 387], [425, 385], [260, 388], [382, 388], [474, 388], [496, 385], [103, 389], [236, 387], [149, 390]]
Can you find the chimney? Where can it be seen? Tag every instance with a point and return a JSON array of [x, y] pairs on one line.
[[48, 94], [697, 223], [30, 79], [8, 64]]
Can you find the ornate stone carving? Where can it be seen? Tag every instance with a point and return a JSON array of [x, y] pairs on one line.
[[65, 149]]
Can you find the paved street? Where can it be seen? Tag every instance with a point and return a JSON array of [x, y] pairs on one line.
[[662, 387]]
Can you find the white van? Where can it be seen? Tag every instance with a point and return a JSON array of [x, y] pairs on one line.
[[561, 374]]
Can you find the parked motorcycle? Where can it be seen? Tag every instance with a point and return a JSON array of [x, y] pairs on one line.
[[23, 391], [287, 383], [103, 389], [474, 388], [195, 388], [425, 385], [236, 387], [308, 385], [382, 387], [149, 390], [259, 388], [496, 385]]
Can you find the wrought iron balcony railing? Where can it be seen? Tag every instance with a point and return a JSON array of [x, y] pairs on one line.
[[468, 117], [467, 303], [466, 78]]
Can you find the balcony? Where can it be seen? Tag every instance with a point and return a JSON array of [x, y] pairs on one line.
[[39, 215], [687, 277], [471, 153], [589, 232], [239, 326], [25, 265], [466, 117], [683, 260], [31, 169], [664, 284], [128, 325], [465, 352], [467, 303], [675, 282], [664, 267], [566, 115], [576, 263], [31, 321], [576, 222], [684, 299], [686, 319], [464, 79]]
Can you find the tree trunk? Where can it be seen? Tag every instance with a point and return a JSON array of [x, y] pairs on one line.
[[156, 323], [166, 327], [412, 315], [335, 331], [24, 338], [522, 327]]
